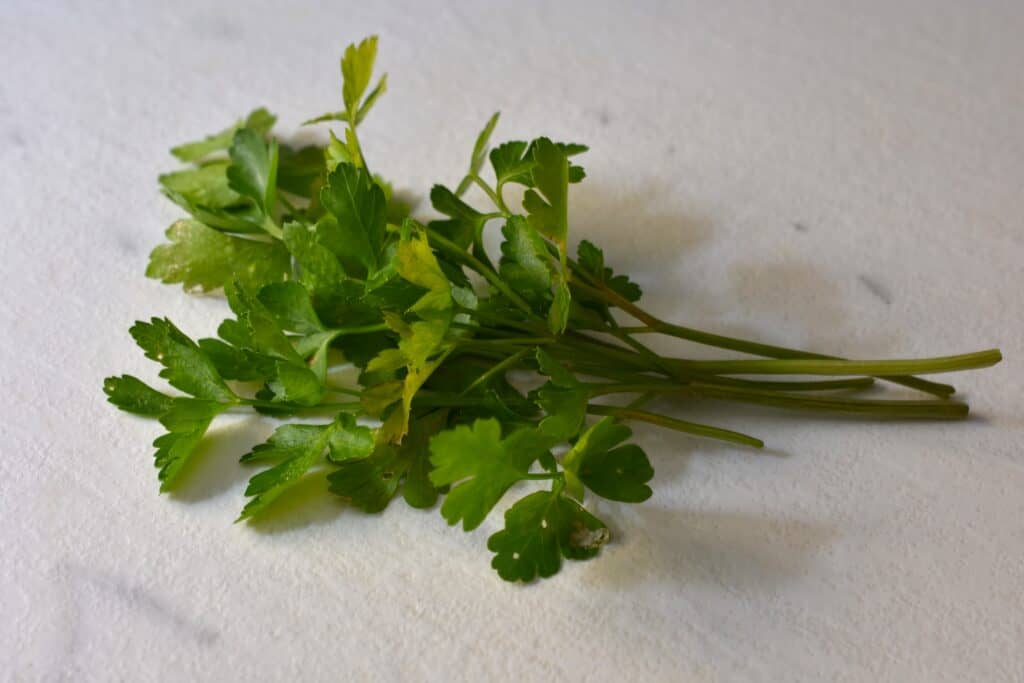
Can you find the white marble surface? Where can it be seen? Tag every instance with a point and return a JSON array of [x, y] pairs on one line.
[[837, 175]]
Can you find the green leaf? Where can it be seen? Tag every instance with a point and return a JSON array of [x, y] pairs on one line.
[[186, 422], [253, 169], [290, 304], [202, 258], [539, 530], [548, 205], [236, 363], [476, 162], [259, 120], [525, 262], [287, 441], [350, 441], [371, 482], [320, 270], [296, 384], [615, 473], [246, 218], [135, 396], [591, 261], [258, 329], [186, 367], [329, 116], [423, 344], [558, 314], [337, 152], [205, 186], [417, 264], [300, 170], [481, 466], [360, 208], [371, 99], [512, 163], [356, 71], [302, 447], [563, 398]]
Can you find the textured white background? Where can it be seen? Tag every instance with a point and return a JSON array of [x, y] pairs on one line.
[[836, 175]]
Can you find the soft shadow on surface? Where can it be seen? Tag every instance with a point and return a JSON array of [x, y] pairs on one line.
[[791, 294], [735, 550], [306, 504], [622, 225], [214, 468]]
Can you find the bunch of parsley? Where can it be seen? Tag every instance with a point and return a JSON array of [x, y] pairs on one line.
[[323, 268]]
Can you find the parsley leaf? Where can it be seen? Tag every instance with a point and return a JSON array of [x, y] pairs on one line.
[[356, 71], [525, 262], [359, 206], [291, 306], [300, 447], [253, 169], [466, 222], [591, 262], [615, 473], [539, 530], [548, 204], [563, 398], [206, 185], [186, 422], [476, 161], [260, 120], [186, 367], [202, 258], [481, 466], [135, 396], [371, 482]]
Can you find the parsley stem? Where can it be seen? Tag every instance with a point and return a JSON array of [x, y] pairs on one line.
[[361, 329], [517, 341], [744, 346], [967, 361], [941, 409], [497, 368], [542, 476], [344, 405], [271, 228], [854, 383], [678, 425], [482, 184], [494, 196]]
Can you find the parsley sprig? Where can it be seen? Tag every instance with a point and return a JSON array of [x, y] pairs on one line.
[[323, 267]]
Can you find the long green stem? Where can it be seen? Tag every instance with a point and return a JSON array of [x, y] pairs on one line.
[[942, 409], [344, 405], [495, 199], [881, 368], [678, 425], [742, 345], [506, 364]]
